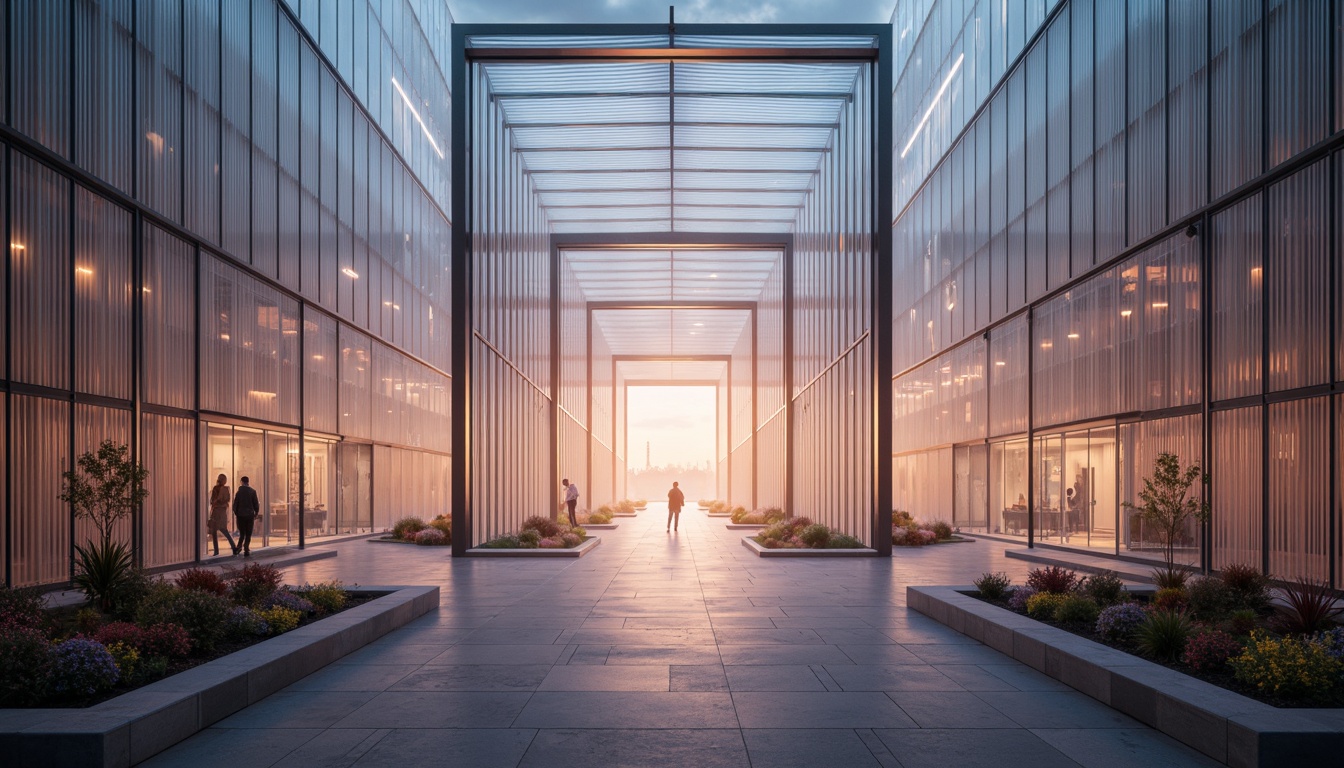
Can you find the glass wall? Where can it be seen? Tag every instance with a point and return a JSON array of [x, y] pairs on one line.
[[173, 261], [1163, 273]]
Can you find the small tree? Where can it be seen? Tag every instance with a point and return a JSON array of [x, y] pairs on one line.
[[107, 487], [1166, 501]]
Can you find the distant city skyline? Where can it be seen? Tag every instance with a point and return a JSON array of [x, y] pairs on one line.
[[676, 422]]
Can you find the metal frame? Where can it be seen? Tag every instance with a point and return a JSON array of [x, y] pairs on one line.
[[878, 52]]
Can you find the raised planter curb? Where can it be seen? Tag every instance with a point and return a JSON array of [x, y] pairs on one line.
[[718, 514], [1233, 729], [745, 526], [579, 551], [625, 514], [138, 725], [763, 552], [600, 526]]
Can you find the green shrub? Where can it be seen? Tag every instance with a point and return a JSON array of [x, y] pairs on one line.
[[1209, 597], [407, 527], [254, 583], [992, 586], [326, 596], [1249, 587], [1077, 609], [597, 518], [1105, 587], [1294, 668], [843, 541], [1242, 621], [23, 665], [1044, 604], [1170, 578], [506, 542], [130, 592], [201, 614], [1309, 606], [625, 507], [544, 526], [281, 619], [1163, 634], [1170, 599], [126, 658], [443, 523], [942, 530], [529, 537], [815, 536], [431, 537], [100, 568], [22, 607]]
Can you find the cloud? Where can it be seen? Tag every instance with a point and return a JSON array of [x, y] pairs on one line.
[[688, 11]]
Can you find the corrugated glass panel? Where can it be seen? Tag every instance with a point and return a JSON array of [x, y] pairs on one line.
[[1235, 473], [1008, 370], [1109, 30], [40, 274], [39, 522], [105, 121], [236, 98], [1187, 157], [159, 106], [1082, 244], [103, 295], [202, 113], [1235, 87], [39, 57], [1058, 161], [1299, 499], [265, 175], [1038, 257], [356, 390], [1146, 181], [175, 506], [1238, 299], [320, 384], [1140, 445], [168, 315], [1299, 279], [1297, 81]]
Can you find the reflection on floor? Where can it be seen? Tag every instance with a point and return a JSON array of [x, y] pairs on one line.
[[674, 649]]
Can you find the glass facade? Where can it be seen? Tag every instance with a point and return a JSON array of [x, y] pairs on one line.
[[223, 217], [1123, 221]]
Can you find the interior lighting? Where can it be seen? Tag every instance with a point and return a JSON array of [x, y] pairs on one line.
[[223, 337], [84, 271], [929, 112], [348, 272], [1159, 305], [318, 357], [1126, 312], [1047, 344], [17, 247], [416, 114], [1000, 363], [713, 276], [156, 141], [260, 395], [1073, 336]]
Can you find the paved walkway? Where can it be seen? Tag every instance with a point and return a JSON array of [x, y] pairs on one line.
[[680, 650]]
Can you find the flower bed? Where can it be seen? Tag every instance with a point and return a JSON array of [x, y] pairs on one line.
[[1221, 629], [906, 532], [758, 516], [539, 532], [77, 657], [595, 518], [802, 533], [413, 530]]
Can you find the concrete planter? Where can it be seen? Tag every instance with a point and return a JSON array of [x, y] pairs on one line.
[[579, 551], [746, 526], [760, 551], [138, 725], [1231, 728], [600, 526]]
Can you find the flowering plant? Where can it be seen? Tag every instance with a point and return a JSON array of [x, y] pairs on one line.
[[81, 667], [1120, 620]]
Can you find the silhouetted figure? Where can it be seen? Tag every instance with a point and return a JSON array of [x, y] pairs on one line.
[[218, 521], [675, 501], [245, 508], [571, 500]]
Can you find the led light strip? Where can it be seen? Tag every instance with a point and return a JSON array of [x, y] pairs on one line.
[[929, 112], [425, 128]]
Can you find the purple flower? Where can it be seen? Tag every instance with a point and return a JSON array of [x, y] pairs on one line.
[[1118, 621], [286, 599], [82, 667], [1019, 597]]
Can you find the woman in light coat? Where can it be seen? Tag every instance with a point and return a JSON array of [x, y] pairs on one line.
[[219, 513]]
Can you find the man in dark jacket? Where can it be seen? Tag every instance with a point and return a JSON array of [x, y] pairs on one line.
[[675, 500], [245, 508]]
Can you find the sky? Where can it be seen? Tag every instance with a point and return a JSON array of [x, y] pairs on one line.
[[688, 11], [677, 423]]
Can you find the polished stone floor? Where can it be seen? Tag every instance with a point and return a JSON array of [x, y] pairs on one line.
[[680, 650]]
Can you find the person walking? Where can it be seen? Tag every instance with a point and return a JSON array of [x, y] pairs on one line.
[[675, 501], [218, 521], [245, 508], [571, 500]]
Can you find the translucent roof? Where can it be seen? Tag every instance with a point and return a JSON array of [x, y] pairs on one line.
[[635, 371], [659, 146], [671, 332], [672, 275]]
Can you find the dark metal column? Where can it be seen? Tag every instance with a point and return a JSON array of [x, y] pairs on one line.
[[789, 410], [882, 296], [462, 297], [556, 373]]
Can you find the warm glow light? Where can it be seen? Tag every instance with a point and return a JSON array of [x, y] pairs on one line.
[[318, 357], [714, 277], [223, 337], [1047, 344], [699, 325], [1000, 363], [155, 141], [1073, 335], [1159, 305], [423, 127], [1126, 312], [17, 247], [951, 305], [929, 112], [83, 271], [145, 289], [348, 272], [259, 394]]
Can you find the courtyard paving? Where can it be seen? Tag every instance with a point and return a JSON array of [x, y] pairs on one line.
[[674, 649]]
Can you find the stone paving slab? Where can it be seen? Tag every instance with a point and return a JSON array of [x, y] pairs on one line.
[[676, 649]]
